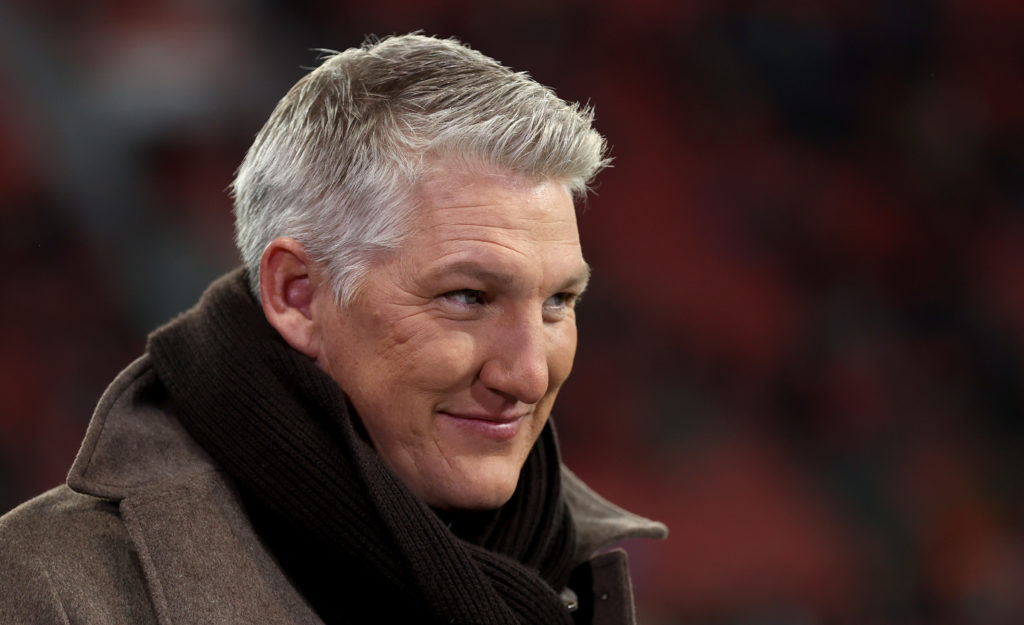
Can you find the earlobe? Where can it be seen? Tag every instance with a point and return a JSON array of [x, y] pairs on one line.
[[287, 285]]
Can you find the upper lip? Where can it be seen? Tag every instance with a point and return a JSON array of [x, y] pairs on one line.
[[504, 416]]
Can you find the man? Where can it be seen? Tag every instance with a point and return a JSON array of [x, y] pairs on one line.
[[354, 427]]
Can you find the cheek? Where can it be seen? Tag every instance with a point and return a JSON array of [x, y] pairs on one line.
[[432, 361], [562, 353], [397, 400]]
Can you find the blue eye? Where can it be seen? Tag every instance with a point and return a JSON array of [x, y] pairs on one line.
[[465, 297], [561, 301]]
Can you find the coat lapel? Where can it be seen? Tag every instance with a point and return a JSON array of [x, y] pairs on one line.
[[202, 561]]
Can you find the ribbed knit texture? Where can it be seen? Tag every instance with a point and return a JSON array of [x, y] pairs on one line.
[[352, 537]]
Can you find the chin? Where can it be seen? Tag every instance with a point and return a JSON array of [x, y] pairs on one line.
[[477, 490]]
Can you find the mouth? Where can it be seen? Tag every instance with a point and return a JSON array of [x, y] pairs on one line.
[[498, 427]]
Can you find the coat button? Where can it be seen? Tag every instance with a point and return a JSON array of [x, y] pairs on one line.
[[569, 600]]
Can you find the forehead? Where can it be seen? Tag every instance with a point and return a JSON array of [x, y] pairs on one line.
[[496, 223], [452, 198]]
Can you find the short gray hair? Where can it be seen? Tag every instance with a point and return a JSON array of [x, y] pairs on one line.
[[337, 165]]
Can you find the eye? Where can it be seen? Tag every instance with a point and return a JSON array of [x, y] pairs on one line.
[[560, 300], [465, 297], [560, 303]]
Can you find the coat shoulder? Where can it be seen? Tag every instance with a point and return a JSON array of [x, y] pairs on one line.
[[66, 557]]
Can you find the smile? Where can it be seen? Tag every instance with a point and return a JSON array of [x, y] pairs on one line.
[[495, 427]]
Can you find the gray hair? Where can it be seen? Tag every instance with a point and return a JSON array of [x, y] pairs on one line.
[[337, 165]]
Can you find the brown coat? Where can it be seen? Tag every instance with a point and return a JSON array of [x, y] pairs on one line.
[[148, 530]]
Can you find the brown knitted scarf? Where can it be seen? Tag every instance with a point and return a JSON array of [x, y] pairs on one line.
[[354, 540]]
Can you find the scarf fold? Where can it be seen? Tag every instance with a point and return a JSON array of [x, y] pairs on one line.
[[351, 536]]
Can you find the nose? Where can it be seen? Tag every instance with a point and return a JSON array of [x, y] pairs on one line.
[[517, 363]]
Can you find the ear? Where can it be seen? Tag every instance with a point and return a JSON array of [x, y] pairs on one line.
[[288, 281]]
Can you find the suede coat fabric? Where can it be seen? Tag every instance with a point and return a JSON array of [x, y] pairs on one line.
[[149, 529]]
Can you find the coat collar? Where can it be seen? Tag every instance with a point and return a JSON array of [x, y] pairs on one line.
[[202, 561], [133, 443], [195, 543], [600, 524]]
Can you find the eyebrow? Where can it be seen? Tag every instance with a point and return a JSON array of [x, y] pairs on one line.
[[508, 280]]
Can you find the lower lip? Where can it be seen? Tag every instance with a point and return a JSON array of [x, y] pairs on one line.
[[494, 430]]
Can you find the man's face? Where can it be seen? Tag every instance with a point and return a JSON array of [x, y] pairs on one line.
[[455, 348]]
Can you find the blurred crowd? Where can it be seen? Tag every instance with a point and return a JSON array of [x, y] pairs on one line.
[[803, 347]]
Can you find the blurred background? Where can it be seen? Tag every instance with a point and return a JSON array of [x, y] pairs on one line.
[[803, 348]]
